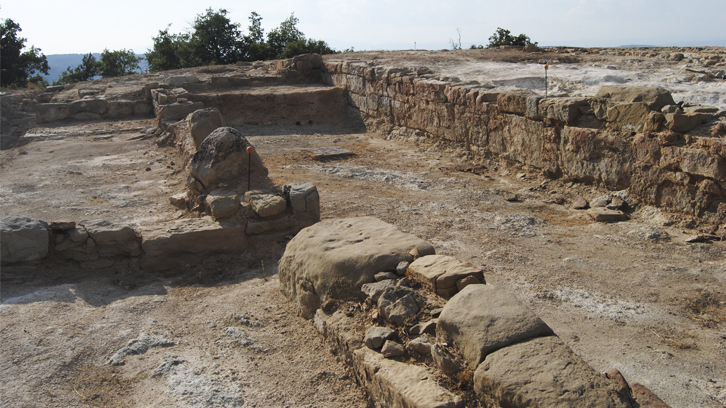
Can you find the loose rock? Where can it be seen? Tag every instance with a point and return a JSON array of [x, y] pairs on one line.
[[392, 349], [375, 336]]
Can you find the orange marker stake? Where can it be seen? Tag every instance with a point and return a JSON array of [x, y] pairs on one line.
[[249, 166]]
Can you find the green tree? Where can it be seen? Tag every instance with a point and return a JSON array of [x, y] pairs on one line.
[[170, 51], [304, 46], [286, 33], [505, 37], [215, 39], [85, 71], [18, 68], [118, 63]]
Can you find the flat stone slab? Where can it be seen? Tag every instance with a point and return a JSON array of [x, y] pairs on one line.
[[543, 372], [440, 273], [601, 214], [484, 318], [329, 153], [400, 384]]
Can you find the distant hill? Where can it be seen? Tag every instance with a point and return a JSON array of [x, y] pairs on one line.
[[59, 62]]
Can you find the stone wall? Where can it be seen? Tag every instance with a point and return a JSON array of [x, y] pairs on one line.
[[607, 140], [100, 244]]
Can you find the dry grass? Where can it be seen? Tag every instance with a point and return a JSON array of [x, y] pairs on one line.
[[101, 386], [707, 307]]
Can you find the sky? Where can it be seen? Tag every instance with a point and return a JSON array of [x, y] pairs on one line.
[[83, 26]]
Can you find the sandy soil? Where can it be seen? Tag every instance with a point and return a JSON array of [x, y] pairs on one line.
[[631, 295]]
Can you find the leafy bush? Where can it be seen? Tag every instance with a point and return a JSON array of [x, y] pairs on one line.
[[118, 63], [505, 37], [85, 71]]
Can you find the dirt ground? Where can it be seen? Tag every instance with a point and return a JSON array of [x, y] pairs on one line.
[[631, 295]]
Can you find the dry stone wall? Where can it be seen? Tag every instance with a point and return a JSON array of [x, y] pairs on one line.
[[634, 139]]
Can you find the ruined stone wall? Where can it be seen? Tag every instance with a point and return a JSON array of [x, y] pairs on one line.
[[628, 146]]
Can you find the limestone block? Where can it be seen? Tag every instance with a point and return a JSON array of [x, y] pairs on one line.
[[376, 289], [655, 97], [120, 109], [112, 239], [693, 161], [543, 372], [50, 112], [179, 80], [97, 106], [685, 122], [178, 111], [173, 244], [399, 385], [601, 214], [223, 206], [632, 115], [304, 198], [265, 204], [564, 110], [22, 239], [483, 318], [440, 273], [338, 256], [203, 122]]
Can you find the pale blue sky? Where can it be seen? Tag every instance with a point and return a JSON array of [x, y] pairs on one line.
[[82, 26]]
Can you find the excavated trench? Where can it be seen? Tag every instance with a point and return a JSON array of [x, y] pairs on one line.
[[512, 130]]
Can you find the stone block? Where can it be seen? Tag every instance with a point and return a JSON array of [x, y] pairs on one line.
[[483, 318], [543, 372], [22, 239], [440, 273], [266, 204]]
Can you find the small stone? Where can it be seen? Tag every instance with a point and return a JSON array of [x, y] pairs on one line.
[[179, 200], [444, 360], [469, 280], [392, 349], [381, 276], [617, 203], [374, 290], [600, 214], [601, 201], [580, 204], [402, 267], [404, 282], [701, 238], [375, 336], [421, 345], [398, 304], [436, 312], [425, 327], [414, 253], [511, 197]]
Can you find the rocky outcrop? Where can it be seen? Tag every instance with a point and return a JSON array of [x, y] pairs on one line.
[[334, 258]]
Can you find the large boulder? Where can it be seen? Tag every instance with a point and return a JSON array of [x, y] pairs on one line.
[[22, 239], [655, 97], [334, 258], [202, 122], [484, 318], [223, 157], [543, 372]]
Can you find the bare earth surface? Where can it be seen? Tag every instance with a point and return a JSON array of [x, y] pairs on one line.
[[631, 295]]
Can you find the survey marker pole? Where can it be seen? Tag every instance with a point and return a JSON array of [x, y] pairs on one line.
[[249, 166]]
